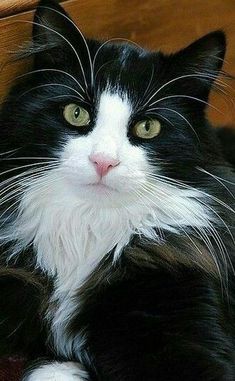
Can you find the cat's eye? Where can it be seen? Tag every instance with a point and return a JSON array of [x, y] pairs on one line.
[[147, 129], [76, 115]]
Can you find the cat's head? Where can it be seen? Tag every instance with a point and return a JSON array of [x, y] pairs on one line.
[[120, 120]]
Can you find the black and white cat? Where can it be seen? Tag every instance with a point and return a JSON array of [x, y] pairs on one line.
[[117, 212]]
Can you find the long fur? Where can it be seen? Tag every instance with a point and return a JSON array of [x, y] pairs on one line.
[[129, 276]]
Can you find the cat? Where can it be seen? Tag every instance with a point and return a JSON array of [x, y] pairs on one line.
[[117, 211]]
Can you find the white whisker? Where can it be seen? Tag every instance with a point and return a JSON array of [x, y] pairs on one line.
[[205, 204], [186, 97], [20, 167], [23, 177], [183, 185], [65, 39], [33, 189], [180, 115], [110, 41], [199, 231], [51, 84], [195, 75], [219, 179], [9, 152], [50, 70], [28, 158], [81, 34]]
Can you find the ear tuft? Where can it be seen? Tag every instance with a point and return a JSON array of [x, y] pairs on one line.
[[205, 55]]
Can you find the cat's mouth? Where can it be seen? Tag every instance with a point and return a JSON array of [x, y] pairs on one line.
[[101, 187]]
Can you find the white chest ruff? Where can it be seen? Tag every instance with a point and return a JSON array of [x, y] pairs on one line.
[[70, 236]]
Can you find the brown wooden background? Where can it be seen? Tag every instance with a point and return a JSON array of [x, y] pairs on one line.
[[165, 24]]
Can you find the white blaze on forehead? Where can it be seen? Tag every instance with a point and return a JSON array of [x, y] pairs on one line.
[[111, 126]]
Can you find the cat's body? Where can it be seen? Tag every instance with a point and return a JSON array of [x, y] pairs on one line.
[[117, 232]]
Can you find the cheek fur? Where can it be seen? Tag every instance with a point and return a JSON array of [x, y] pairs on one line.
[[127, 176]]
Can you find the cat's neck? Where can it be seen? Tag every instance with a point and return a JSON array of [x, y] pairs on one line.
[[70, 235]]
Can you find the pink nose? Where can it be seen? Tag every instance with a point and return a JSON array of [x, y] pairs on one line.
[[103, 163]]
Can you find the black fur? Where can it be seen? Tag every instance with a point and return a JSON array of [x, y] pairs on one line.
[[157, 314], [158, 323], [227, 138]]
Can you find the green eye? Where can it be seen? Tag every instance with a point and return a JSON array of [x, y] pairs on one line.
[[76, 115], [147, 129]]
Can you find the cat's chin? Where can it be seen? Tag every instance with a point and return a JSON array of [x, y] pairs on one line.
[[100, 189], [97, 193], [104, 195]]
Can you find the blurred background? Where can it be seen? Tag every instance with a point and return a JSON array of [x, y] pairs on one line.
[[167, 25]]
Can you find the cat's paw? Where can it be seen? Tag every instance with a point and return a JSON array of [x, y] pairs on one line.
[[66, 371]]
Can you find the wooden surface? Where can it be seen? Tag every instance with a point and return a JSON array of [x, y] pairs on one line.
[[10, 7], [156, 24]]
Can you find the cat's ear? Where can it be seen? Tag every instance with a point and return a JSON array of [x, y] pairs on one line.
[[207, 53], [203, 58], [53, 32], [51, 23]]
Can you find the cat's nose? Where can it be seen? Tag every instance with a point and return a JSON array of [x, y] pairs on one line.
[[103, 163]]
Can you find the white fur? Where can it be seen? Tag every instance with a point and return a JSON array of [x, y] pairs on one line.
[[73, 221], [67, 371]]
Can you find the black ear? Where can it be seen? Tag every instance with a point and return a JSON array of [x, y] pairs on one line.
[[50, 21], [207, 53], [204, 59], [55, 35]]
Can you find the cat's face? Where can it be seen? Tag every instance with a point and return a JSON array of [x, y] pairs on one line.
[[117, 118], [103, 164]]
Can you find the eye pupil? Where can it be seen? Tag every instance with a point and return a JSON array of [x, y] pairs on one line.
[[147, 125], [77, 112]]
